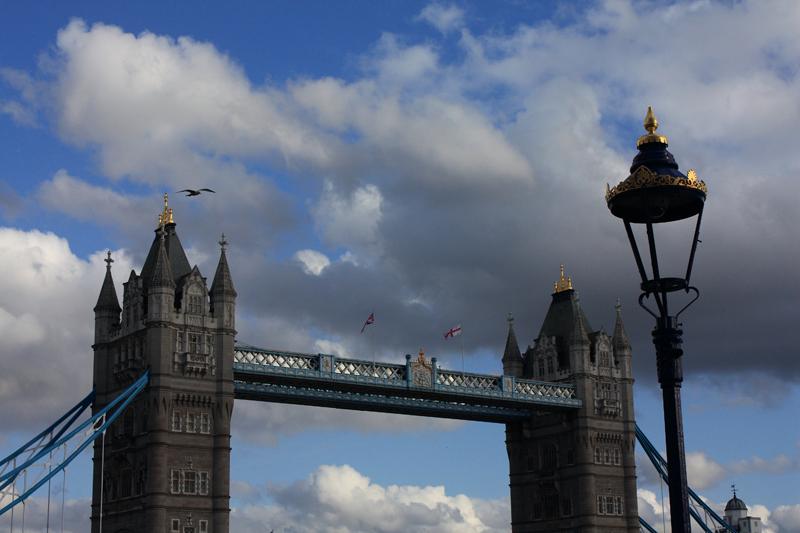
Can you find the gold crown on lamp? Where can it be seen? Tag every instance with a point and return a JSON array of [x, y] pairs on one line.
[[643, 177]]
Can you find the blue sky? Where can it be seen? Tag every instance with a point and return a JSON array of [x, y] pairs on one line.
[[433, 162]]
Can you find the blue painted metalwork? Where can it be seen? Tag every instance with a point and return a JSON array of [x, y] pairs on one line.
[[418, 385], [89, 430], [648, 527], [660, 465], [378, 402]]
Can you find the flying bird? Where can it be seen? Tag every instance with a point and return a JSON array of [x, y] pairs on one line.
[[193, 192]]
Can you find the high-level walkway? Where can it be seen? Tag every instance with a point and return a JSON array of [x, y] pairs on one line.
[[418, 387]]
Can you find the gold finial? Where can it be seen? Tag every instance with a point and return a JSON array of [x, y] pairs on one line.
[[165, 217], [650, 121], [563, 283], [651, 125]]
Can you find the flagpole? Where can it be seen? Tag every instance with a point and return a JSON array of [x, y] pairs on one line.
[[462, 348], [372, 343]]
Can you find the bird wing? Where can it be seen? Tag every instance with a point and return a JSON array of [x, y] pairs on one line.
[[187, 190], [209, 190]]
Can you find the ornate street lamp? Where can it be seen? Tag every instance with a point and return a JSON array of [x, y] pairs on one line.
[[657, 192]]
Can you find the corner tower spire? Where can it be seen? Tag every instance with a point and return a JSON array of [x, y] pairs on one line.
[[512, 358], [162, 271], [107, 300], [223, 283], [620, 337]]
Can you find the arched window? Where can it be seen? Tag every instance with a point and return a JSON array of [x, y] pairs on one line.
[[549, 457]]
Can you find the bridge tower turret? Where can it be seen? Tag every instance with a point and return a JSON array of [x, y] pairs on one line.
[[164, 466], [575, 471]]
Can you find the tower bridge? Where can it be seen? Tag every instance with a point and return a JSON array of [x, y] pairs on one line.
[[566, 402], [169, 350]]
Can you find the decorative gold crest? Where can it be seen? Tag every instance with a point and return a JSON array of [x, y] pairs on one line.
[[643, 177]]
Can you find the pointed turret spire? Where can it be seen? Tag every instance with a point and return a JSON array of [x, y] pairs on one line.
[[223, 283], [512, 358], [108, 301], [620, 338], [579, 334], [162, 271]]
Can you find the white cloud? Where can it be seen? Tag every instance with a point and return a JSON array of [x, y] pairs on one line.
[[350, 220], [444, 18], [75, 514], [265, 423], [312, 261], [703, 471], [786, 517], [46, 299], [330, 347], [339, 499]]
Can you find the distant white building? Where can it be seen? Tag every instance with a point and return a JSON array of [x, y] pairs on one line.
[[736, 516]]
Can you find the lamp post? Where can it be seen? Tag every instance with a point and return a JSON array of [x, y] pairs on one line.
[[656, 192]]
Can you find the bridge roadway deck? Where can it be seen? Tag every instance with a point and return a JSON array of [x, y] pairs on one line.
[[418, 387]]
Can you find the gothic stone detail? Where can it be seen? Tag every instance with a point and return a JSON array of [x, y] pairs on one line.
[[166, 467], [575, 471]]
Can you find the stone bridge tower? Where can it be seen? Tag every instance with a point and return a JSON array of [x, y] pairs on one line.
[[574, 471], [164, 465]]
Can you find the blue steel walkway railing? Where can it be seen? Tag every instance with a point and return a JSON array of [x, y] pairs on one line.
[[417, 387]]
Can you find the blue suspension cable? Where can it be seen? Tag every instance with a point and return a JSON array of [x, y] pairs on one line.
[[112, 410], [660, 464]]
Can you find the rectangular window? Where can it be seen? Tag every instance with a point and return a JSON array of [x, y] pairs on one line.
[[190, 423], [194, 343], [609, 505], [175, 526], [202, 526], [209, 345], [202, 483], [618, 505], [597, 456], [179, 342], [205, 423], [125, 483], [616, 456], [175, 482], [176, 421], [189, 482], [607, 456], [601, 505]]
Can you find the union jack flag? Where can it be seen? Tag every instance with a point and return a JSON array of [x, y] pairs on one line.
[[452, 332], [368, 322]]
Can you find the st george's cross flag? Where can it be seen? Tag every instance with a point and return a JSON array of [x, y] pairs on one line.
[[452, 332], [369, 321]]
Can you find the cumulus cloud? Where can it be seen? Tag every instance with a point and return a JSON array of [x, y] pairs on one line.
[[312, 261], [266, 423], [462, 180], [444, 18], [75, 514], [351, 221], [703, 471], [342, 500], [46, 322]]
